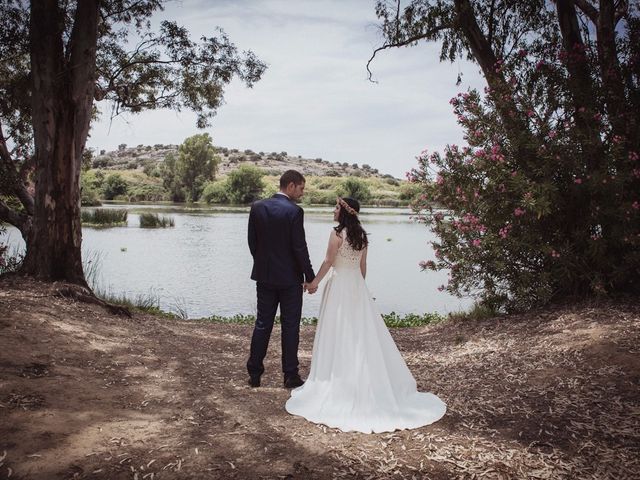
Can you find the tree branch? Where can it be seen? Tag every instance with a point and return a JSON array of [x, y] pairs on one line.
[[15, 178], [622, 6], [404, 43], [18, 220], [588, 9]]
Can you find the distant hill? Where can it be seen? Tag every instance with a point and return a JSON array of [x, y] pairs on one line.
[[273, 163]]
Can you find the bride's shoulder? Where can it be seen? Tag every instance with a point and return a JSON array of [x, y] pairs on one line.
[[336, 236]]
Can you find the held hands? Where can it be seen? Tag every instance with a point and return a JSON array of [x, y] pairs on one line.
[[311, 287]]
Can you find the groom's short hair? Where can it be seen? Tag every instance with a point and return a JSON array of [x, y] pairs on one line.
[[291, 176]]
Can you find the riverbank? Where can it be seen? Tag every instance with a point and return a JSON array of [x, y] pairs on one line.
[[549, 394]]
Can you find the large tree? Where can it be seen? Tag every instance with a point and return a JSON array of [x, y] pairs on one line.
[[57, 58], [544, 198]]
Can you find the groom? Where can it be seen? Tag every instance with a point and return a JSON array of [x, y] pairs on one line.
[[282, 269]]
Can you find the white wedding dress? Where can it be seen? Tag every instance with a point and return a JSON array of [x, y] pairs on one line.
[[358, 379]]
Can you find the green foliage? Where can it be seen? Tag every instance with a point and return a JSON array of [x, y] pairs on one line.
[[392, 320], [91, 187], [196, 164], [113, 186], [104, 217], [216, 192], [146, 192], [411, 320], [153, 220], [245, 184], [170, 180], [410, 192], [355, 188]]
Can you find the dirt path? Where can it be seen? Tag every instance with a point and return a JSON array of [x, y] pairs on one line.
[[87, 395]]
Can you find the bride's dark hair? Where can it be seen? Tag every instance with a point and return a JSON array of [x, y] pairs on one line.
[[356, 236]]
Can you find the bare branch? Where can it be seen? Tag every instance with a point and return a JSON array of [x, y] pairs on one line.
[[404, 43]]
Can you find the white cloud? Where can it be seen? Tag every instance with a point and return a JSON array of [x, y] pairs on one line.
[[315, 99]]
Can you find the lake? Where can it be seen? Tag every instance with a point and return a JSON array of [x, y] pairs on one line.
[[202, 265]]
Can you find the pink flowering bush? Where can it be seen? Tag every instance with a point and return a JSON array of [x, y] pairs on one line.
[[521, 229]]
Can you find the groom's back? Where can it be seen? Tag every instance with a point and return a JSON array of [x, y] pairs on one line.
[[271, 240]]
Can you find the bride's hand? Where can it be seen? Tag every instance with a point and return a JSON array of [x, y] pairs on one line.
[[312, 287]]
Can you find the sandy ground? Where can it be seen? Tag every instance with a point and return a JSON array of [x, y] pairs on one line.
[[84, 394]]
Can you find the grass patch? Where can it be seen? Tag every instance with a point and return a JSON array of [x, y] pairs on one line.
[[153, 220], [146, 302], [392, 320], [104, 217], [476, 312]]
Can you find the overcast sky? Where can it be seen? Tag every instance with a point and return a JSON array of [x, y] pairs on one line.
[[315, 99]]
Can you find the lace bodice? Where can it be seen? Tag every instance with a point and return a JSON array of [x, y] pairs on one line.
[[347, 256]]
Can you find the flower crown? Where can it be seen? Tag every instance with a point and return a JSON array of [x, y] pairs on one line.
[[347, 207]]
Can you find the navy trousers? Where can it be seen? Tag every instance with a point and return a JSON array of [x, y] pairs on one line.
[[290, 301]]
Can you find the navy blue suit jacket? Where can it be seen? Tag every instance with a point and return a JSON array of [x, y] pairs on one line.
[[277, 242]]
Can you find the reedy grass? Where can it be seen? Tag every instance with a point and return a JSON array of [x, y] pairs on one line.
[[153, 220], [104, 217]]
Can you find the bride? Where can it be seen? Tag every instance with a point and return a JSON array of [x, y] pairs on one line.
[[358, 379]]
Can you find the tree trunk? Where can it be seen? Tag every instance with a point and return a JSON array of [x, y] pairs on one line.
[[610, 69], [580, 83], [62, 100]]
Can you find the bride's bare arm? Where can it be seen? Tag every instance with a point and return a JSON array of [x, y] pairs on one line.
[[363, 263], [332, 250]]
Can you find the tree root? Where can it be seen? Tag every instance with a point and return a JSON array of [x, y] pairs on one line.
[[85, 295]]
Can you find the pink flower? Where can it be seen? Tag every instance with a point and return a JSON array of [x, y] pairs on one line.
[[530, 113], [518, 212], [476, 242], [429, 264], [522, 52], [553, 134], [554, 254], [633, 156], [577, 181], [540, 64], [635, 205], [439, 179], [504, 231]]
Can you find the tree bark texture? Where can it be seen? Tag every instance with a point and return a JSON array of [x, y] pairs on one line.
[[62, 99]]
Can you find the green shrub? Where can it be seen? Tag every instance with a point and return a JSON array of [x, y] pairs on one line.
[[410, 191], [147, 192], [114, 185], [245, 184], [216, 192], [355, 188], [89, 197]]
